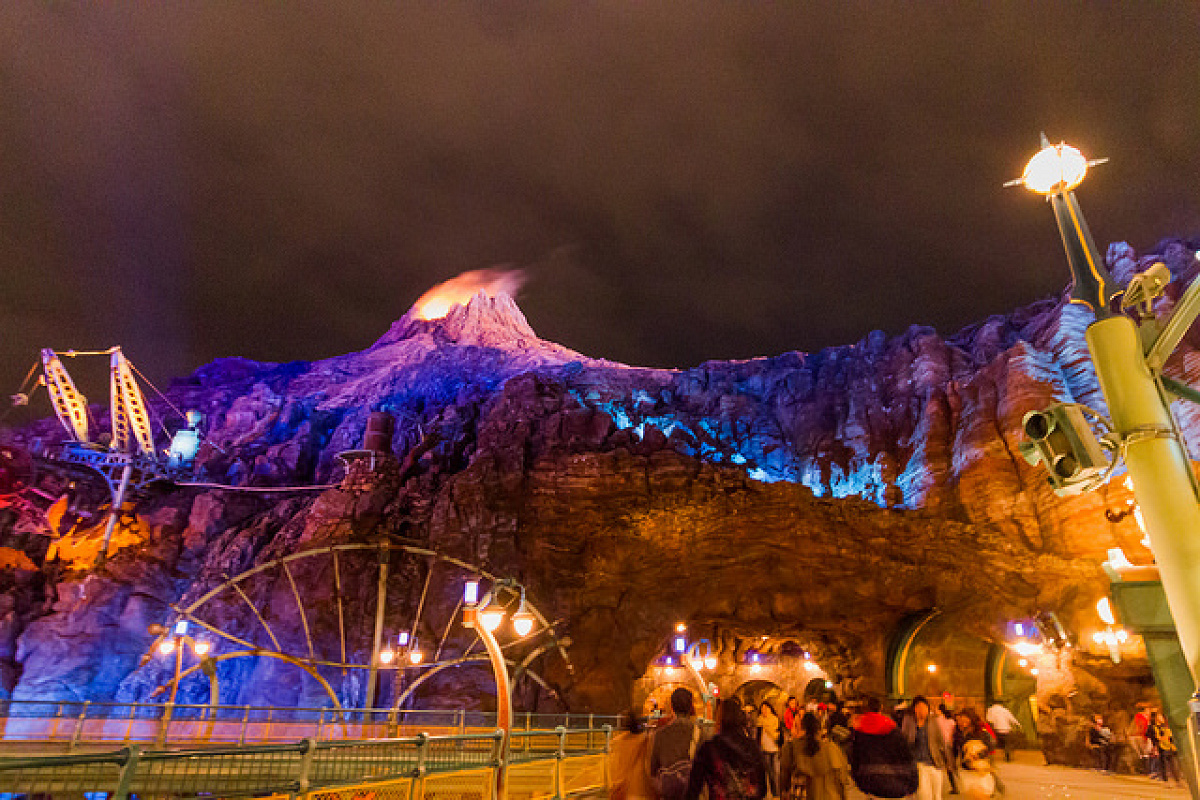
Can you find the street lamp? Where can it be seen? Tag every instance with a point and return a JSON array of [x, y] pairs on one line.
[[1128, 352], [175, 643], [522, 621], [484, 615], [1128, 358]]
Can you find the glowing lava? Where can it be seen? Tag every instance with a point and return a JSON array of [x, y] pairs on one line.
[[437, 302]]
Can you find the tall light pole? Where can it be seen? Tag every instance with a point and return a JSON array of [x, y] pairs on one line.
[[1143, 427], [484, 616], [1128, 358], [175, 644]]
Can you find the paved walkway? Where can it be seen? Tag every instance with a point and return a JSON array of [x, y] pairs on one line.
[[1028, 778]]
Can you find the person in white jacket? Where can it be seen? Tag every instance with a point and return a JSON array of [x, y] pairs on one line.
[[1002, 722]]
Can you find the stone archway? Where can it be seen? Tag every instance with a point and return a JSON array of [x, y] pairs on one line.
[[660, 697], [757, 691]]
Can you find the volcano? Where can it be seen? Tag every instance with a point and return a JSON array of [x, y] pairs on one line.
[[808, 500]]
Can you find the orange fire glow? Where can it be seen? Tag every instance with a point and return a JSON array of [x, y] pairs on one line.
[[437, 302]]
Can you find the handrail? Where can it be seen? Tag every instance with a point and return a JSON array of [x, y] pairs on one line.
[[297, 768], [71, 724], [30, 762]]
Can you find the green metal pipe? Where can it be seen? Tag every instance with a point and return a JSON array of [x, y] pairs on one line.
[[1160, 468]]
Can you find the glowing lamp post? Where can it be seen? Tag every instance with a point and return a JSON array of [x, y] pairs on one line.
[[1128, 356], [485, 616], [1130, 377], [175, 644]]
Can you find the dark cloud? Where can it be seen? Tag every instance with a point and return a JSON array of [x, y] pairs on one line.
[[681, 181]]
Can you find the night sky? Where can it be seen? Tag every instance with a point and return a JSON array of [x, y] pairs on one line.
[[680, 181]]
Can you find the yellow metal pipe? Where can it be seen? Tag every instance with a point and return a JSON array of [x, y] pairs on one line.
[[1161, 471]]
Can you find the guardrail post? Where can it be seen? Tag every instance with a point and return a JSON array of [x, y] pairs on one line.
[[462, 721], [416, 789], [320, 723], [245, 724], [58, 712], [129, 727], [558, 760], [78, 732], [125, 781], [591, 725], [308, 749], [500, 758], [607, 751]]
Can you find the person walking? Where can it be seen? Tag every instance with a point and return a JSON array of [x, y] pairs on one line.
[[971, 749], [837, 727], [881, 764], [629, 761], [1160, 736], [929, 749], [945, 718], [770, 740], [1137, 736], [811, 767], [1003, 722], [791, 717], [1099, 741], [729, 765], [674, 746]]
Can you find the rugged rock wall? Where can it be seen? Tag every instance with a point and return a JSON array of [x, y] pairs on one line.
[[817, 498]]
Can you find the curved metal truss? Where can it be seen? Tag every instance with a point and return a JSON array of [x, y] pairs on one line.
[[273, 643]]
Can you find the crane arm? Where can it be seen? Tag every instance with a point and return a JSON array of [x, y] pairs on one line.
[[69, 404], [130, 420]]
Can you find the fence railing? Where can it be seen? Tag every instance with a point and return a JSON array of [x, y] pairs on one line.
[[537, 764], [69, 726]]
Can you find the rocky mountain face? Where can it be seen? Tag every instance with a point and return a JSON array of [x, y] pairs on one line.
[[813, 498]]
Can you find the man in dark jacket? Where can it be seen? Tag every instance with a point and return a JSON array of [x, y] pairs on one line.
[[881, 762], [674, 747]]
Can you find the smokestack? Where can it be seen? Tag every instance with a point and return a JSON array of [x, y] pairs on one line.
[[380, 427]]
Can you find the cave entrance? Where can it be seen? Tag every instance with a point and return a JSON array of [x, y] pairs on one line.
[[932, 654], [756, 692], [660, 698]]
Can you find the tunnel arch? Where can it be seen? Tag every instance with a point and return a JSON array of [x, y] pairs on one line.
[[758, 690]]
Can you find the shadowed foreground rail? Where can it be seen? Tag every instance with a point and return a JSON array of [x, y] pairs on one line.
[[536, 764], [40, 727]]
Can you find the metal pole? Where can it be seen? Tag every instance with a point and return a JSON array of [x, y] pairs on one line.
[[166, 716], [245, 724], [113, 513], [128, 770], [503, 694], [381, 594], [1160, 469], [78, 733], [1156, 458]]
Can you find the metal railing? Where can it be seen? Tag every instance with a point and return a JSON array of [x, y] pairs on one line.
[[540, 764], [74, 726]]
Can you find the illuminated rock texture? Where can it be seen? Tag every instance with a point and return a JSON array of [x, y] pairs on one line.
[[816, 499]]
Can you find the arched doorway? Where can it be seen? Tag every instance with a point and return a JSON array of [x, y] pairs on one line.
[[660, 698], [757, 692]]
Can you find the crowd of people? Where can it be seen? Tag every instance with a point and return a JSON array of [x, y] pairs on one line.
[[1150, 738], [813, 751]]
